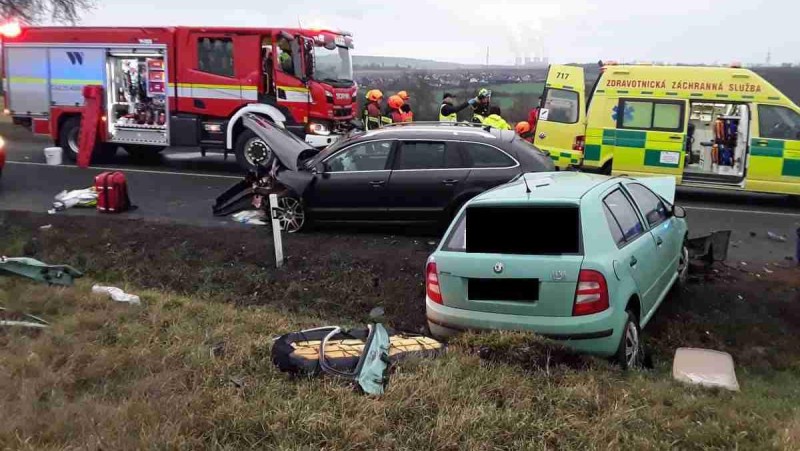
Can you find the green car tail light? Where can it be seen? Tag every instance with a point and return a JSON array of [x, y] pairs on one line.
[[591, 294], [432, 287]]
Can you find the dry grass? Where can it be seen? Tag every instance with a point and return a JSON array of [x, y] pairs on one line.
[[114, 376]]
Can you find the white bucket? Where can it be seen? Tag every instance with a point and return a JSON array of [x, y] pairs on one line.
[[53, 155]]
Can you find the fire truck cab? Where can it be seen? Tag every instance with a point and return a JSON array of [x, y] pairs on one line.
[[184, 86]]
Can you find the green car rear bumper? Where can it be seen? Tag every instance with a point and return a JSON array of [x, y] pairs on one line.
[[597, 334]]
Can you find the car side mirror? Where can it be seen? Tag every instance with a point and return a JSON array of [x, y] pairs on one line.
[[678, 212]]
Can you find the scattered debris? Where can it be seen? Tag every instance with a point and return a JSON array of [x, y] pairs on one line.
[[76, 198], [705, 367], [768, 271], [237, 381], [776, 237], [743, 263], [736, 243], [13, 319], [218, 350], [46, 227], [251, 217], [377, 313], [361, 355], [39, 271], [789, 258], [117, 294], [741, 298], [753, 234], [431, 243]]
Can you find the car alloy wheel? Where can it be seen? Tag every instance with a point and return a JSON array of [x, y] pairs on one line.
[[633, 349], [257, 152], [290, 214], [72, 141]]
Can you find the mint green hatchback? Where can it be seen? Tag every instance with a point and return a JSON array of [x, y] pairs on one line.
[[580, 258]]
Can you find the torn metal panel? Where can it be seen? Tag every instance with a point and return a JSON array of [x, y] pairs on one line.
[[39, 271]]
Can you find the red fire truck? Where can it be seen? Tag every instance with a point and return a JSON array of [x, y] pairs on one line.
[[182, 86]]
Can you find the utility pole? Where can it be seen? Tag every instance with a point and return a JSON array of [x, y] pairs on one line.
[[769, 57], [487, 56]]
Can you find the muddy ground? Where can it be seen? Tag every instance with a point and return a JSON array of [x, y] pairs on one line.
[[340, 276]]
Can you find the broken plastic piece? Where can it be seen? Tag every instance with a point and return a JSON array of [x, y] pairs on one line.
[[21, 320], [705, 367], [40, 272], [251, 217], [117, 294], [776, 237], [710, 248]]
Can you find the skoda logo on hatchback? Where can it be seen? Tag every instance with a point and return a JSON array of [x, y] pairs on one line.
[[498, 268]]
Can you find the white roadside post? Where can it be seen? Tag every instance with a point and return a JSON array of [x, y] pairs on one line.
[[276, 229]]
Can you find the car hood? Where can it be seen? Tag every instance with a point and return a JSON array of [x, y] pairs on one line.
[[290, 150], [663, 186]]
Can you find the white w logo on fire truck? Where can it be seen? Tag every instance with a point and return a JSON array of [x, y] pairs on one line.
[[75, 58]]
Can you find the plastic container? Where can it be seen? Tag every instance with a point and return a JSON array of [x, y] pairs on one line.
[[53, 155]]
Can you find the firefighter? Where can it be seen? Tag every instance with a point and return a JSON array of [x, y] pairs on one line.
[[285, 58], [448, 112], [495, 119], [409, 115], [480, 110], [372, 110], [395, 109], [524, 130]]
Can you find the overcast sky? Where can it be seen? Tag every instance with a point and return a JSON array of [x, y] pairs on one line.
[[454, 30]]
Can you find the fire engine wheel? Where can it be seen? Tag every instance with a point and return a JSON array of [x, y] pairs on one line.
[[252, 151], [291, 214], [69, 138]]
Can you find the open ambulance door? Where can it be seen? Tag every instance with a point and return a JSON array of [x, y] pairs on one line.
[[561, 126]]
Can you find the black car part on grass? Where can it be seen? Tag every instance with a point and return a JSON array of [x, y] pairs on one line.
[[343, 353], [710, 248]]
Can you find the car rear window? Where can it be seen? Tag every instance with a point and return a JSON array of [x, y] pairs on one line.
[[550, 230]]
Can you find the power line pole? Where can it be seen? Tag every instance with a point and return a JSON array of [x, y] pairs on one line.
[[487, 56]]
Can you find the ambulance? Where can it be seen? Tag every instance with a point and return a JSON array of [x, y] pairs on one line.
[[713, 127]]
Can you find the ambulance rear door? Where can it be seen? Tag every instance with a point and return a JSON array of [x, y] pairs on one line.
[[562, 116]]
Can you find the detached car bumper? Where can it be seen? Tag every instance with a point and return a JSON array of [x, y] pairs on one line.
[[593, 334], [321, 141]]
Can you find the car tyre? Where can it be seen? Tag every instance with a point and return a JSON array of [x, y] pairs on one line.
[[251, 151], [292, 214], [630, 353]]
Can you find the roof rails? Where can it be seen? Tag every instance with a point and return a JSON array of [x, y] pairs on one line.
[[436, 123]]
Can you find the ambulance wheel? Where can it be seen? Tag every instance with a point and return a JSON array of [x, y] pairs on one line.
[[69, 138], [251, 151]]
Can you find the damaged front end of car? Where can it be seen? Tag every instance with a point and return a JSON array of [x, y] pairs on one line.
[[286, 177]]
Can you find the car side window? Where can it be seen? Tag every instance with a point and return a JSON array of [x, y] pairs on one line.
[[368, 156], [483, 156], [651, 205], [613, 225], [777, 122], [625, 215], [421, 155]]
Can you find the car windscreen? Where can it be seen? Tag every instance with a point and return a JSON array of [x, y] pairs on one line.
[[524, 230]]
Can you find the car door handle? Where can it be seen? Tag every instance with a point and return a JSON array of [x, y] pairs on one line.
[[450, 181], [377, 183], [659, 241], [676, 137], [634, 261]]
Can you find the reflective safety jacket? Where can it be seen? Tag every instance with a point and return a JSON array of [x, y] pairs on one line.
[[372, 116], [495, 121]]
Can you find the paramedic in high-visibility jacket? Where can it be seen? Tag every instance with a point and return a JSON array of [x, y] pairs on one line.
[[495, 119], [448, 112]]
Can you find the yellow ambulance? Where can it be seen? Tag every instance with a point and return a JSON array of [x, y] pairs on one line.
[[718, 127]]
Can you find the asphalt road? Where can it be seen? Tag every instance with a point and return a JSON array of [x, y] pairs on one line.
[[181, 185]]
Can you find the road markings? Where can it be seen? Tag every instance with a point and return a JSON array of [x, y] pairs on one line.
[[749, 212], [142, 171]]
